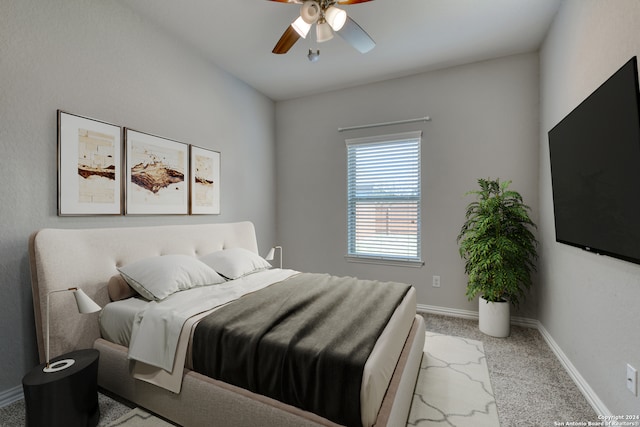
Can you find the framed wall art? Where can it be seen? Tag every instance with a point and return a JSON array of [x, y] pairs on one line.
[[156, 174], [205, 181], [89, 166]]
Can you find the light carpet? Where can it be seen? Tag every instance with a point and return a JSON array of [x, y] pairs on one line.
[[453, 387]]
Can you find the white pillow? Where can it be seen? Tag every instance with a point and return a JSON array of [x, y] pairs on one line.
[[235, 262], [158, 277]]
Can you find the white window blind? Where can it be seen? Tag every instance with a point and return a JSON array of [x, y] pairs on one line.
[[384, 198]]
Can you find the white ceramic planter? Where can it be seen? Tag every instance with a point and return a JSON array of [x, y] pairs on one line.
[[495, 318]]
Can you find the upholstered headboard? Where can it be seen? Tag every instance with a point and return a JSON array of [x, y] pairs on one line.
[[88, 258]]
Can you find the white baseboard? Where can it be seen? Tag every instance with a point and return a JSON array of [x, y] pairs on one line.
[[14, 394], [452, 312], [473, 315], [581, 383]]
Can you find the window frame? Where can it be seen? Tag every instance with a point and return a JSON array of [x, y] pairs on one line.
[[387, 259]]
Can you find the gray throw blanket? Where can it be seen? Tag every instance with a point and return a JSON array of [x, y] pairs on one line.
[[303, 341]]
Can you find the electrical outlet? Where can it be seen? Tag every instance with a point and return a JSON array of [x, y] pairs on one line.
[[436, 282], [632, 379]]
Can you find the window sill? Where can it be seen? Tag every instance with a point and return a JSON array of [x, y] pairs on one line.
[[384, 261]]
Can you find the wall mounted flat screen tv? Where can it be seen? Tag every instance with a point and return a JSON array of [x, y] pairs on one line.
[[595, 169]]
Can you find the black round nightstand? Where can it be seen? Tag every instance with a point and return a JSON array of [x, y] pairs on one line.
[[64, 398]]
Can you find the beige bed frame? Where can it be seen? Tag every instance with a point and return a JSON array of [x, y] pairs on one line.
[[87, 258]]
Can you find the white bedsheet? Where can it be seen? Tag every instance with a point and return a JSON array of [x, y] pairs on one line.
[[116, 319]]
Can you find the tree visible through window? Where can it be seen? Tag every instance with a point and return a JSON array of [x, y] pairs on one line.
[[383, 188]]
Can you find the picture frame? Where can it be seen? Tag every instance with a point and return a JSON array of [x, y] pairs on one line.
[[156, 175], [89, 166], [205, 181]]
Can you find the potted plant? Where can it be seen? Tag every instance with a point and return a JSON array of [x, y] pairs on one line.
[[499, 250]]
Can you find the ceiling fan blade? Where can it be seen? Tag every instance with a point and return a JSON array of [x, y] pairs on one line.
[[356, 36], [288, 39]]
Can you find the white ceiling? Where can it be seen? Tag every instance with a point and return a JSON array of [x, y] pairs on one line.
[[412, 36]]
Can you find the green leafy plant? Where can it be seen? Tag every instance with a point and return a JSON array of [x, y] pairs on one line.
[[497, 243]]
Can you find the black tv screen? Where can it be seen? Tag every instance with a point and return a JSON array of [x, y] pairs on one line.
[[595, 169]]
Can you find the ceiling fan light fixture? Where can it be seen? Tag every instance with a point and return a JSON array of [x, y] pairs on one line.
[[301, 27], [310, 11], [335, 17], [323, 32]]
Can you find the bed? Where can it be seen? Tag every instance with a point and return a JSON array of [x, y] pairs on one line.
[[89, 258]]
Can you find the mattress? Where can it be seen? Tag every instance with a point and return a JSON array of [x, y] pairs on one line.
[[116, 323], [116, 320]]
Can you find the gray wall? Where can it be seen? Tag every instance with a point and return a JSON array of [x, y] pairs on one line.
[[588, 303], [484, 124], [96, 58]]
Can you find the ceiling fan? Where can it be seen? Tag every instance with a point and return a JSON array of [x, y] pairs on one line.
[[328, 19]]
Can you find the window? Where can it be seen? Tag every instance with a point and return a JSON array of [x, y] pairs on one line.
[[383, 191]]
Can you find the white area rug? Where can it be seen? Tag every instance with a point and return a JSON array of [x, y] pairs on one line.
[[139, 418], [453, 387]]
